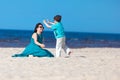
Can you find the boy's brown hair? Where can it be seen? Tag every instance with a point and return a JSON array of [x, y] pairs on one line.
[[57, 18]]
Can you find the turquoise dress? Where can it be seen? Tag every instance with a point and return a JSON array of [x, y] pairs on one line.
[[35, 50]]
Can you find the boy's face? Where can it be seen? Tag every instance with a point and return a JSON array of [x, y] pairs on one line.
[[55, 21]]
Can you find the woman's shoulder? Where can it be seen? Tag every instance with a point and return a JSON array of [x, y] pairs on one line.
[[34, 34]]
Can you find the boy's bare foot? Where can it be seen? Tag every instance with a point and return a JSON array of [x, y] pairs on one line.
[[69, 53]]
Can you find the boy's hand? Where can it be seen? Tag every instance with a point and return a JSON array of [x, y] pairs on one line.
[[44, 21], [48, 21]]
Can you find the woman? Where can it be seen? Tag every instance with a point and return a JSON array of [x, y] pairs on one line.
[[36, 46]]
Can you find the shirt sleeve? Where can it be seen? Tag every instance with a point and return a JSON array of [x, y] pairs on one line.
[[53, 26]]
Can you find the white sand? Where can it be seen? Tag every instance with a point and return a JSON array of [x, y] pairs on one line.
[[84, 64]]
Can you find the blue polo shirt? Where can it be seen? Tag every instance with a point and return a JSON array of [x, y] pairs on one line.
[[58, 30]]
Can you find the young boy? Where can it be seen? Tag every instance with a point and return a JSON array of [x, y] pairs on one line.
[[58, 29]]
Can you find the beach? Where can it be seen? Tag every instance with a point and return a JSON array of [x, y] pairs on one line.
[[91, 29], [102, 63], [94, 57]]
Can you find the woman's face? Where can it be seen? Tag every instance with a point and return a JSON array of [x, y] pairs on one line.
[[40, 28]]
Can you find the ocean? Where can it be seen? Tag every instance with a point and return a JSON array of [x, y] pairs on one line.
[[21, 38]]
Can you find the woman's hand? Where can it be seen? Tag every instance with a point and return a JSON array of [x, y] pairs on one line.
[[42, 45]]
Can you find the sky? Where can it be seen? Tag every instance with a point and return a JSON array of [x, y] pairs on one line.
[[99, 16]]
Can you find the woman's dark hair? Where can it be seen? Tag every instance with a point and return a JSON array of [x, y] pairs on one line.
[[57, 18], [37, 25]]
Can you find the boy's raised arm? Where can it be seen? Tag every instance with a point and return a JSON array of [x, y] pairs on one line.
[[49, 22], [44, 21]]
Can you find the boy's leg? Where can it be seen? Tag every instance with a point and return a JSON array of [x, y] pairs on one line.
[[64, 46], [58, 47]]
